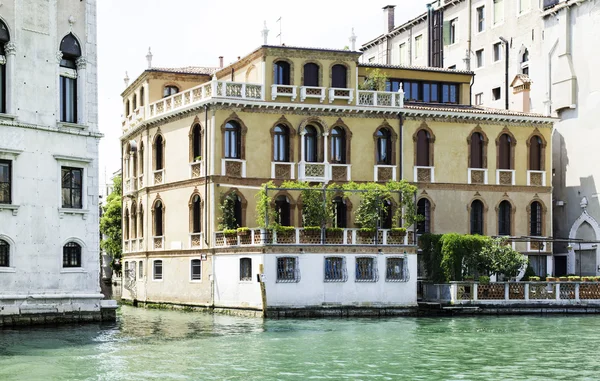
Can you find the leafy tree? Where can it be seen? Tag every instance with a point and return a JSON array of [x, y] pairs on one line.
[[111, 225], [227, 220], [503, 259], [375, 80]]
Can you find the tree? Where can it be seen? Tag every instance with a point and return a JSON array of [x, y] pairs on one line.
[[111, 225], [376, 80], [503, 259]]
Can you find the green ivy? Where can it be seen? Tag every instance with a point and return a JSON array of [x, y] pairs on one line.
[[227, 220]]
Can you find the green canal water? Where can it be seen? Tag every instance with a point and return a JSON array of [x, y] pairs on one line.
[[172, 345]]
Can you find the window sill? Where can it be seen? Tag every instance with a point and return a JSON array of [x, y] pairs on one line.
[[12, 207], [157, 280], [8, 116], [74, 270], [8, 270], [72, 125], [196, 281], [69, 211]]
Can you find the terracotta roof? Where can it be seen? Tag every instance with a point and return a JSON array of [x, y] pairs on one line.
[[421, 68], [186, 70], [472, 110], [312, 48]]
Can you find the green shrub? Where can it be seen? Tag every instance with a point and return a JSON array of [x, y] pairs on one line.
[[243, 229], [398, 231], [334, 230], [484, 279], [285, 229], [229, 231], [312, 229], [529, 272], [534, 278]]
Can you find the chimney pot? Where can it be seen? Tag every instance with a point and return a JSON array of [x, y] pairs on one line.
[[388, 12], [220, 62]]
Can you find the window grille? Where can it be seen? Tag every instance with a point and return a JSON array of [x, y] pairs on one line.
[[5, 181], [72, 255], [72, 184], [158, 270], [396, 270], [196, 270], [288, 270], [335, 269], [4, 253], [366, 269]]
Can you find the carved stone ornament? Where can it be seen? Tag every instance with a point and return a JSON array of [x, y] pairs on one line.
[[59, 56], [81, 63], [10, 48]]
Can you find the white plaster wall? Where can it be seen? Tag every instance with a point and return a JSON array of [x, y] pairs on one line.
[[229, 290]]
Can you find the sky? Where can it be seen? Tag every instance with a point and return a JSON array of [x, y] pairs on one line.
[[197, 32]]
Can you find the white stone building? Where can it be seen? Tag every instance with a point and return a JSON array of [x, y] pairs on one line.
[[49, 239], [549, 70]]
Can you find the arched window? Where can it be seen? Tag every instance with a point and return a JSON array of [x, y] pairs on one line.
[[196, 214], [159, 161], [476, 150], [4, 39], [423, 141], [233, 142], [158, 219], [283, 211], [338, 145], [525, 62], [384, 147], [72, 255], [339, 75], [141, 220], [535, 153], [535, 223], [505, 152], [4, 253], [504, 218], [170, 90], [340, 212], [134, 165], [141, 160], [196, 143], [311, 145], [281, 143], [126, 225], [476, 217], [282, 73], [133, 233], [424, 209], [386, 215], [311, 75], [71, 51], [142, 94]]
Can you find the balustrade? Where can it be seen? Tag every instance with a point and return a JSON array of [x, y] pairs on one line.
[[380, 98]]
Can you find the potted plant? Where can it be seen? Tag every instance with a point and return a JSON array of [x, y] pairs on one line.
[[534, 278], [334, 235], [243, 231], [366, 232], [197, 159], [551, 279], [398, 232], [484, 279], [312, 231], [574, 278], [563, 279], [285, 233], [230, 233]]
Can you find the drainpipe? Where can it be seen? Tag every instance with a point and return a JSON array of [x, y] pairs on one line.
[[469, 31], [205, 173], [401, 140], [506, 50]]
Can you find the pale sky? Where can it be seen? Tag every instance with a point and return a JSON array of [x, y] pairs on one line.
[[197, 32]]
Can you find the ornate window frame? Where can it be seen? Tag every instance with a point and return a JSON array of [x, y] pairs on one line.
[[544, 210], [348, 71], [393, 138], [243, 131], [348, 141], [282, 121], [320, 76], [164, 208], [195, 123], [484, 147], [425, 127], [536, 133], [484, 217], [513, 144], [191, 211], [425, 196], [243, 201], [154, 155], [513, 212]]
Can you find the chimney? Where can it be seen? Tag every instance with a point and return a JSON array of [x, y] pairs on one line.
[[388, 20], [220, 62]]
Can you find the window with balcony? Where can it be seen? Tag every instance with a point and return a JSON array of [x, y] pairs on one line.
[[480, 19], [4, 39], [339, 76], [245, 269], [311, 145], [170, 90], [340, 219], [282, 73], [283, 212], [505, 152], [535, 219], [366, 269], [384, 147], [195, 269], [196, 154], [159, 157], [157, 270], [72, 184], [5, 182], [158, 219], [4, 253], [423, 149], [288, 270], [504, 218], [311, 74], [72, 255], [281, 143], [476, 148], [233, 142], [476, 217], [196, 214], [338, 145], [335, 269], [535, 153], [71, 51], [424, 210]]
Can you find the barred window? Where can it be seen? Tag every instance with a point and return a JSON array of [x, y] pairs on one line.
[[196, 269], [396, 270], [366, 269], [141, 269], [158, 270], [4, 253], [245, 269], [72, 255], [288, 270], [335, 269]]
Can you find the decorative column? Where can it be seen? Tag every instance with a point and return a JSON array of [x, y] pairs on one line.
[[11, 51], [81, 63]]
